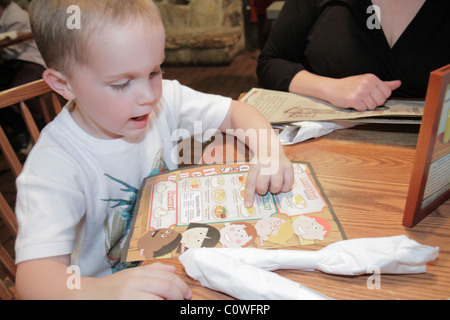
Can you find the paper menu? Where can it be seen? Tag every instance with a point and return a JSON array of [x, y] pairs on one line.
[[285, 107], [206, 203]]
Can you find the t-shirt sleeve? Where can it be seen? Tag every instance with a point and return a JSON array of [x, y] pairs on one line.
[[195, 112], [49, 206], [284, 53]]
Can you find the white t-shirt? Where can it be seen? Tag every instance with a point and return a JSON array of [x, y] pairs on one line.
[[76, 192]]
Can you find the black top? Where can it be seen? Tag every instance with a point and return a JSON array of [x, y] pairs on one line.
[[331, 38]]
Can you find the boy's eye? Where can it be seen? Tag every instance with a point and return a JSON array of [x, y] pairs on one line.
[[121, 86], [155, 73], [125, 83]]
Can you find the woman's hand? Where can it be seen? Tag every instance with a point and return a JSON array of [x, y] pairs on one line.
[[362, 92]]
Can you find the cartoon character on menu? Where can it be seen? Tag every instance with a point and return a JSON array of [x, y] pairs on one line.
[[276, 229], [159, 242], [237, 235], [198, 235], [311, 228]]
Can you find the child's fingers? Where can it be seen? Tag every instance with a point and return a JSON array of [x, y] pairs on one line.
[[282, 178], [263, 182], [276, 183], [288, 178], [250, 187], [162, 266], [162, 281], [260, 181]]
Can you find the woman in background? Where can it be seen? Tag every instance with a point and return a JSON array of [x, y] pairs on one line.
[[356, 53]]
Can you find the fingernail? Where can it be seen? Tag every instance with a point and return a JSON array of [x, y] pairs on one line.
[[189, 295]]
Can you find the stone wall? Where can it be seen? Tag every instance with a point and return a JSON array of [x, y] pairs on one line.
[[202, 31]]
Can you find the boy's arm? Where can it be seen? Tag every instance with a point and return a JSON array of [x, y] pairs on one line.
[[270, 170], [49, 279]]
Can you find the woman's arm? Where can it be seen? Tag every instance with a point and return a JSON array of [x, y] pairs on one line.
[[282, 64], [283, 55]]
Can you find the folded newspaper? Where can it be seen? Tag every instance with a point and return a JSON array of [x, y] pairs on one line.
[[283, 107]]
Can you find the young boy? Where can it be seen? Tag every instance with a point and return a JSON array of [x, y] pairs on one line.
[[78, 188]]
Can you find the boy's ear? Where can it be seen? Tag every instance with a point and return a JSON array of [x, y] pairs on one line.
[[58, 82]]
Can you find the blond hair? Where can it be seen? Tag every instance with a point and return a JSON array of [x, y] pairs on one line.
[[61, 46]]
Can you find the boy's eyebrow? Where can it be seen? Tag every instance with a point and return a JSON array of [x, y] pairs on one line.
[[127, 74], [119, 76]]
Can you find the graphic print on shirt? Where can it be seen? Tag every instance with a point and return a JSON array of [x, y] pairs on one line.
[[123, 216]]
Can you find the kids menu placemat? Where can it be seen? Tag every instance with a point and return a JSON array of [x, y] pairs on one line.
[[203, 206]]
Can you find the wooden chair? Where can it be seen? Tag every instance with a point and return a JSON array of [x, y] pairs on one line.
[[6, 261], [50, 106], [19, 95]]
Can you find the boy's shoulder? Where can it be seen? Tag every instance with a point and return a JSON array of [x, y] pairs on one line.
[[170, 85], [62, 121], [173, 88], [59, 136]]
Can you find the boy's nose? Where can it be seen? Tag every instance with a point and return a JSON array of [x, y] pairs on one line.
[[147, 96]]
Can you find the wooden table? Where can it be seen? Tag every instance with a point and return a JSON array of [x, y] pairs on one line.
[[365, 173]]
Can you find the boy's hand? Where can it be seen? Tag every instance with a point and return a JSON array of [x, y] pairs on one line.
[[274, 174], [270, 169], [155, 281], [47, 279]]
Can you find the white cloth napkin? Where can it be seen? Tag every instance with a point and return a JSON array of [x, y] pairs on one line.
[[221, 272], [300, 131], [245, 273]]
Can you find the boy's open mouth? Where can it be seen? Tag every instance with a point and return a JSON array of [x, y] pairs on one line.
[[139, 118], [140, 121]]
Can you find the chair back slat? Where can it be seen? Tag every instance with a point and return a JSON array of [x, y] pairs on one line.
[[29, 121], [9, 154], [8, 263], [5, 294], [8, 217], [56, 103], [22, 93]]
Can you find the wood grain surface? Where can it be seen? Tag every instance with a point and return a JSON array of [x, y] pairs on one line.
[[365, 173]]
